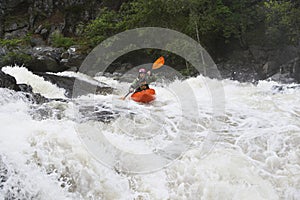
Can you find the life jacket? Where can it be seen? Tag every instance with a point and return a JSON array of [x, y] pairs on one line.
[[144, 86]]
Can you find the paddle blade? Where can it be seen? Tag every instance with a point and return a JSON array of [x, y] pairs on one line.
[[158, 63]]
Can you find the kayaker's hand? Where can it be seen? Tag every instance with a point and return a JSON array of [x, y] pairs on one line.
[[149, 73], [131, 90]]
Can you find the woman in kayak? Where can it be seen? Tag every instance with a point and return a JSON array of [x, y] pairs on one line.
[[142, 81]]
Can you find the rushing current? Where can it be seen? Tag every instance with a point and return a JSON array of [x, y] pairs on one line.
[[249, 150]]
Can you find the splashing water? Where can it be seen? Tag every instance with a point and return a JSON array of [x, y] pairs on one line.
[[254, 153]]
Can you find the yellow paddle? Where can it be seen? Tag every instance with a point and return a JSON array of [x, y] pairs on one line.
[[156, 65]]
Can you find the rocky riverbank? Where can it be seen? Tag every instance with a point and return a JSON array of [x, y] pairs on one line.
[[280, 64], [41, 35], [67, 83]]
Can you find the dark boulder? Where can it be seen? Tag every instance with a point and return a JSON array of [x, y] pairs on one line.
[[8, 81], [36, 98], [72, 58], [45, 59], [297, 70], [25, 88], [68, 83]]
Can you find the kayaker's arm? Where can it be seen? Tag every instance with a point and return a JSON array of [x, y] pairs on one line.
[[134, 85]]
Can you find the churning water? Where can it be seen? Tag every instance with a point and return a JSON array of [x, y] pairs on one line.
[[249, 150]]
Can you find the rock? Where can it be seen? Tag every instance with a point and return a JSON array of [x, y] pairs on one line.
[[297, 70], [73, 69], [64, 56], [38, 30], [8, 81], [42, 58], [25, 88], [45, 59], [37, 41], [2, 51], [97, 113], [44, 33], [270, 68], [12, 27], [282, 78], [73, 58], [13, 3], [124, 67], [68, 83], [37, 98], [64, 15], [44, 64], [259, 53]]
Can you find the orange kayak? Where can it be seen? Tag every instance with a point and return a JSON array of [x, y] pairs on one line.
[[144, 96]]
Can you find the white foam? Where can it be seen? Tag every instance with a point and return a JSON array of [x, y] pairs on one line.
[[39, 85], [250, 151]]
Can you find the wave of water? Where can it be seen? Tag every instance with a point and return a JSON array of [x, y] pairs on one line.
[[253, 153]]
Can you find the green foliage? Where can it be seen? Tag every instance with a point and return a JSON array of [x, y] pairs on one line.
[[16, 58], [212, 23], [185, 72], [203, 19], [11, 43], [104, 26], [282, 21], [15, 42], [58, 40]]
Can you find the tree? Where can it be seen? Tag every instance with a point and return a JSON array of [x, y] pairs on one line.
[[282, 21]]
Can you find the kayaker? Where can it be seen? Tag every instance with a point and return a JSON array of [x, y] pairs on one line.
[[142, 81]]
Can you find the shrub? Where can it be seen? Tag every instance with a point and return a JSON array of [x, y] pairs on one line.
[[58, 40]]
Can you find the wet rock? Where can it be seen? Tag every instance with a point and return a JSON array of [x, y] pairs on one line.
[[96, 113], [68, 84], [37, 98], [282, 88], [21, 33], [8, 81], [25, 88]]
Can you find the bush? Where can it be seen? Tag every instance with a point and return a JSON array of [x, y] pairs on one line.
[[16, 58], [104, 26], [11, 43], [58, 40]]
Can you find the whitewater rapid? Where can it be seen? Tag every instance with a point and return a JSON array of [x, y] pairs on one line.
[[248, 148]]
